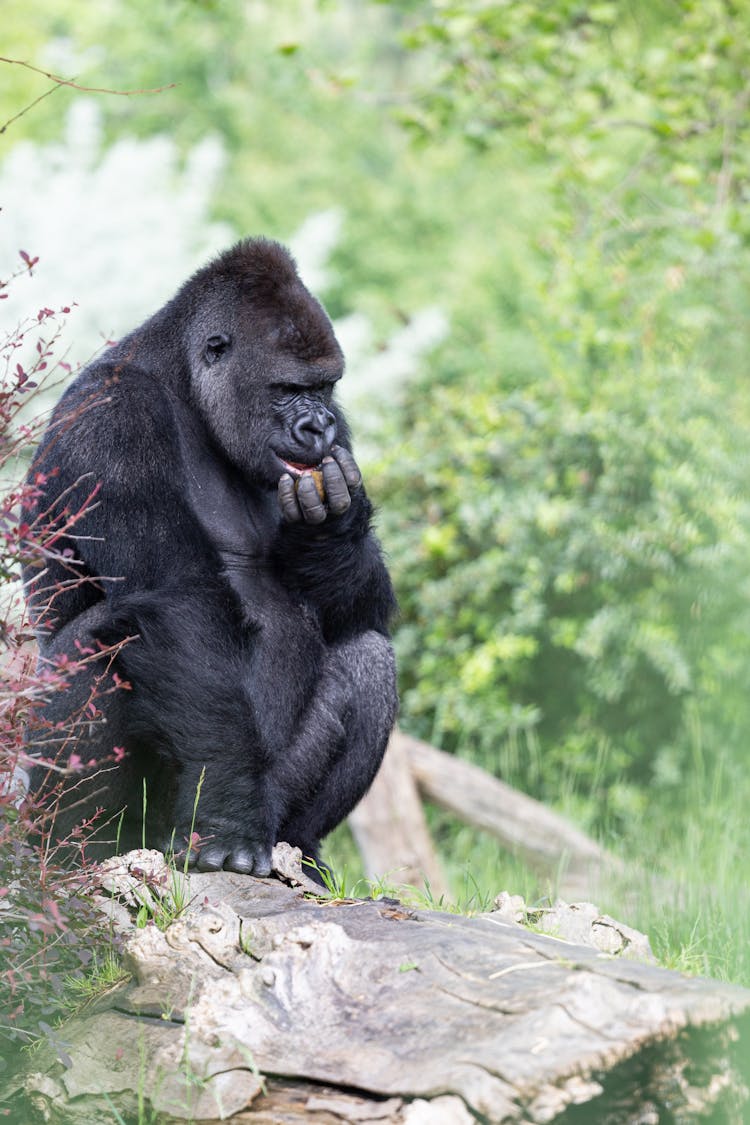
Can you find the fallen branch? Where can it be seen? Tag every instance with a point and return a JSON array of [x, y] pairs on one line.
[[545, 840], [390, 829]]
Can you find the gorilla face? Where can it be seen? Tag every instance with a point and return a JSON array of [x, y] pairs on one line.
[[305, 428], [263, 362]]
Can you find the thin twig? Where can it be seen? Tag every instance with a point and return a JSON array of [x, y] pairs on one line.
[[59, 82], [31, 105], [86, 89]]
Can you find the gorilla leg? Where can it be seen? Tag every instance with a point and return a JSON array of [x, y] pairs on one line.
[[189, 707], [326, 789]]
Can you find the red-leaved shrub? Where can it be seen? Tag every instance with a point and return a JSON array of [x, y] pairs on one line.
[[48, 926]]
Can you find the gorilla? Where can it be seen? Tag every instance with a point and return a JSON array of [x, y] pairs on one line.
[[228, 544]]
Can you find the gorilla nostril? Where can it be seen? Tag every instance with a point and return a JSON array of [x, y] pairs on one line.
[[312, 425], [303, 430], [305, 423]]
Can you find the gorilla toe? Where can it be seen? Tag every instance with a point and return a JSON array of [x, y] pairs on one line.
[[243, 857]]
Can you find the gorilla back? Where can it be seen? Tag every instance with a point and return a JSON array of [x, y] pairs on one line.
[[230, 548]]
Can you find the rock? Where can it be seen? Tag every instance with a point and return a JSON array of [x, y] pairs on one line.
[[578, 922], [510, 907], [140, 882]]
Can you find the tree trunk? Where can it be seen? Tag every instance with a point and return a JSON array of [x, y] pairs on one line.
[[390, 829]]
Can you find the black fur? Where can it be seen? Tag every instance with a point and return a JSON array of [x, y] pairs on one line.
[[260, 648]]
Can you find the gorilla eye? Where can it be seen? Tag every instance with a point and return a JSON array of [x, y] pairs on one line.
[[216, 346]]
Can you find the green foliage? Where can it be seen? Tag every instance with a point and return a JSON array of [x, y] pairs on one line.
[[560, 581]]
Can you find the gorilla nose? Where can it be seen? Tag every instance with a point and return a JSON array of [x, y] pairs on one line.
[[315, 430]]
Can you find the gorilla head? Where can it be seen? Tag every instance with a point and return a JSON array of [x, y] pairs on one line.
[[262, 360]]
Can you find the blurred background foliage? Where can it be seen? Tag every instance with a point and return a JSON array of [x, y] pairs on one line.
[[560, 461]]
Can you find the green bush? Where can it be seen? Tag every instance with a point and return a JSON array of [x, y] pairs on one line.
[[561, 560]]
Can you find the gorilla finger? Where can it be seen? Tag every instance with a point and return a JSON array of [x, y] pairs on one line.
[[337, 493], [312, 506], [348, 465], [290, 509], [211, 858]]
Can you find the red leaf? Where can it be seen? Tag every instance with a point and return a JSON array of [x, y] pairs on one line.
[[30, 262]]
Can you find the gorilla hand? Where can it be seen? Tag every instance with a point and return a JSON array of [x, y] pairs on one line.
[[302, 500]]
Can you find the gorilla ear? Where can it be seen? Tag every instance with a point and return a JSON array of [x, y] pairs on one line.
[[215, 347]]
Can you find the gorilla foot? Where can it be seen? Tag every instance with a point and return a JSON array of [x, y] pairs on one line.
[[244, 856]]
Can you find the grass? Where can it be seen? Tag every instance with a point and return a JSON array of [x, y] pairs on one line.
[[105, 973], [705, 926], [159, 906], [699, 845], [476, 867], [163, 906]]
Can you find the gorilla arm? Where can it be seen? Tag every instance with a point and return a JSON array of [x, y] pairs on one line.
[[113, 430]]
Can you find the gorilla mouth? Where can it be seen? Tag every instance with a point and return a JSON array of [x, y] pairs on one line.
[[296, 468]]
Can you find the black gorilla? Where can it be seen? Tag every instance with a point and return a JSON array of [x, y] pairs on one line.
[[253, 588]]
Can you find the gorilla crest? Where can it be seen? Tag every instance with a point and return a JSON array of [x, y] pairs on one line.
[[230, 542]]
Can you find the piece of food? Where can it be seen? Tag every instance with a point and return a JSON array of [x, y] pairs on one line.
[[316, 474]]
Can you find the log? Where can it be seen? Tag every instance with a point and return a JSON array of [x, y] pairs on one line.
[[263, 1004], [548, 842]]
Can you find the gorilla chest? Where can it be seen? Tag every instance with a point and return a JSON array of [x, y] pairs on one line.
[[284, 641]]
